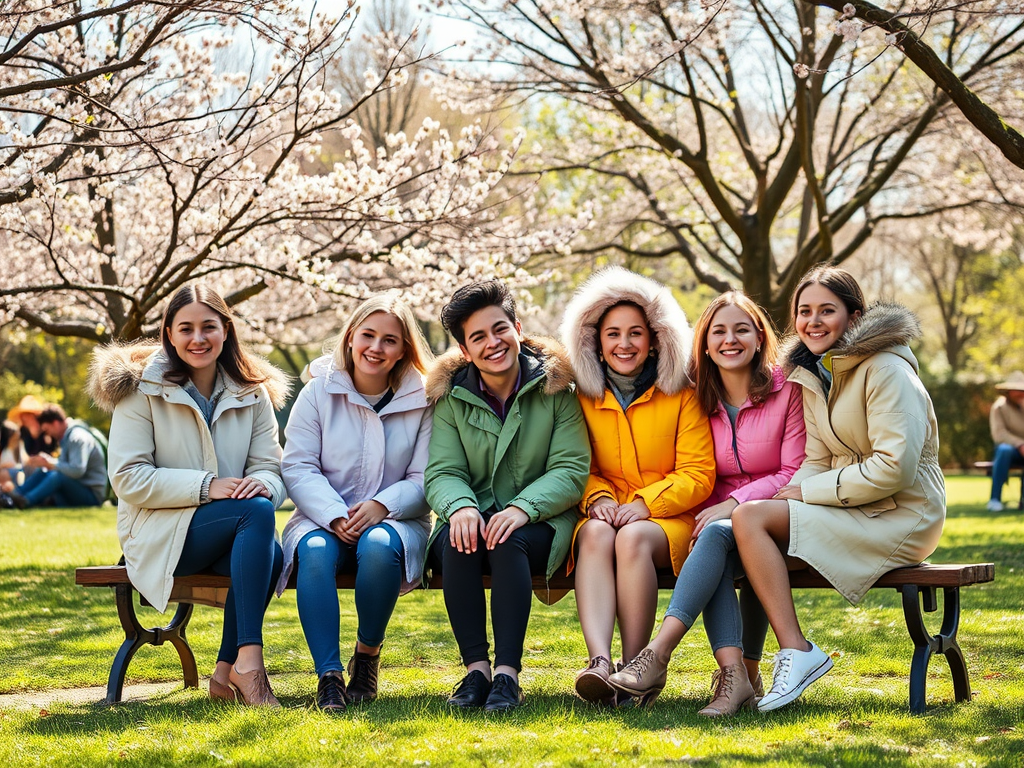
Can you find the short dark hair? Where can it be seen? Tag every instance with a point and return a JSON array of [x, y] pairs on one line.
[[52, 413], [472, 298]]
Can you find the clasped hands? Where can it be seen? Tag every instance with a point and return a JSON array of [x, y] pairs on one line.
[[617, 515], [361, 516], [466, 527]]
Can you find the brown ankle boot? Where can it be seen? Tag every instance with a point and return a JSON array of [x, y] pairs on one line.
[[732, 692], [592, 682], [253, 688], [644, 677]]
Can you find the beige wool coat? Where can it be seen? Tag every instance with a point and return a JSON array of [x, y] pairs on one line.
[[873, 494], [161, 451]]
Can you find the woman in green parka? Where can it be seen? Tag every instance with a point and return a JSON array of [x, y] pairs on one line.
[[509, 459]]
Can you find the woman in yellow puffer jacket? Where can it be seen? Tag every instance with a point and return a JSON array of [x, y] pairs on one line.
[[653, 459]]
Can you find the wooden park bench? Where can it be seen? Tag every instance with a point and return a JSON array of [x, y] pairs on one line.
[[987, 466], [918, 586]]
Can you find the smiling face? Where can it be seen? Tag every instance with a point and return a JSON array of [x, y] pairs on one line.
[[377, 345], [492, 342], [625, 339], [733, 339], [197, 334], [821, 318]]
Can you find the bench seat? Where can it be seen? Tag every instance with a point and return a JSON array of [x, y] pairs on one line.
[[918, 586]]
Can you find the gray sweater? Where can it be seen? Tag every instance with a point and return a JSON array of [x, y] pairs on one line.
[[81, 458]]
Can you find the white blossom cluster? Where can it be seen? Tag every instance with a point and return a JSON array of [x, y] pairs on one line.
[[185, 154]]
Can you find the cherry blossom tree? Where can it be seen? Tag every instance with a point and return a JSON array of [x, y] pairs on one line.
[[752, 140], [149, 144]]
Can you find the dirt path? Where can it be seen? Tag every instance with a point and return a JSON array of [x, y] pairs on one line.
[[95, 695]]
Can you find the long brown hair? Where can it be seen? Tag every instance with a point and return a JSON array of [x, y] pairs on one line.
[[417, 352], [236, 360], [703, 370]]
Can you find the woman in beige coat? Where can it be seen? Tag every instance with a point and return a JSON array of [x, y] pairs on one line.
[[195, 462], [870, 496]]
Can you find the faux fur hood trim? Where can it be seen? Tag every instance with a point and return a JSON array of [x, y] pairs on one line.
[[557, 370], [883, 326], [666, 318], [116, 370]]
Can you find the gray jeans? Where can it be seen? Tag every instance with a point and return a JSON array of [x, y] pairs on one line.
[[705, 584]]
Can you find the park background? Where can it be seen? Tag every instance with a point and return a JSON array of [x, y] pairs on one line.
[[300, 156]]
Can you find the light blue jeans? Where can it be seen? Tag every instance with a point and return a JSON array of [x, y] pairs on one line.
[[1006, 456], [705, 585], [379, 567]]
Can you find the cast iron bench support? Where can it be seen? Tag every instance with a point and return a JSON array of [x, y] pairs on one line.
[[136, 636], [917, 586], [925, 644]]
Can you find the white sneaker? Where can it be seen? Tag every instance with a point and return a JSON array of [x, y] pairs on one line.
[[994, 505], [794, 671]]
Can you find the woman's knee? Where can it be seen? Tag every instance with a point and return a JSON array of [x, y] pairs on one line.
[[596, 534], [317, 555], [639, 539], [258, 514], [379, 547]]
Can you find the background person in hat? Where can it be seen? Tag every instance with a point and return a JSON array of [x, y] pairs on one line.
[[33, 440], [1007, 423]]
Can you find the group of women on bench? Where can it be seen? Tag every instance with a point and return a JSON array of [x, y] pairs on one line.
[[638, 446]]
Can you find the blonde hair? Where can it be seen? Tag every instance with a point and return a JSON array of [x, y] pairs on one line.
[[416, 351]]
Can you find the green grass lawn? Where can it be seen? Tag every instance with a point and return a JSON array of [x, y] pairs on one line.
[[54, 634]]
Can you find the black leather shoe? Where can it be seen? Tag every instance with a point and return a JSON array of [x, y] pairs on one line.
[[362, 677], [505, 695], [331, 695], [19, 501], [472, 691]]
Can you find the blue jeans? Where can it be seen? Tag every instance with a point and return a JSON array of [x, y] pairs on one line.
[[1006, 456], [235, 537], [705, 584], [65, 491], [379, 562]]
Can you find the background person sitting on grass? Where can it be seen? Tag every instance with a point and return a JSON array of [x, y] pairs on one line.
[[78, 478], [1006, 420]]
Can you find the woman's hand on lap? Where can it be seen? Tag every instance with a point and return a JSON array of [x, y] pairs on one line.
[[721, 511], [631, 512], [603, 508], [501, 525], [364, 515], [790, 492], [463, 526]]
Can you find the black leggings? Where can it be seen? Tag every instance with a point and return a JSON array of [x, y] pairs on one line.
[[512, 566]]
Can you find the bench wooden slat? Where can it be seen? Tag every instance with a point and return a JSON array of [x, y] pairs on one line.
[[943, 575]]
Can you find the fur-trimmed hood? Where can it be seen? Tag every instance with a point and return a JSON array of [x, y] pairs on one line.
[[117, 370], [665, 317], [883, 326], [557, 370]]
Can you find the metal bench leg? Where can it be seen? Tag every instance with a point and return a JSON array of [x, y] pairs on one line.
[[136, 636], [925, 644]]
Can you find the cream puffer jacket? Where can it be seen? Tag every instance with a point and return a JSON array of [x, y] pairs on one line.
[[161, 451], [873, 494]]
